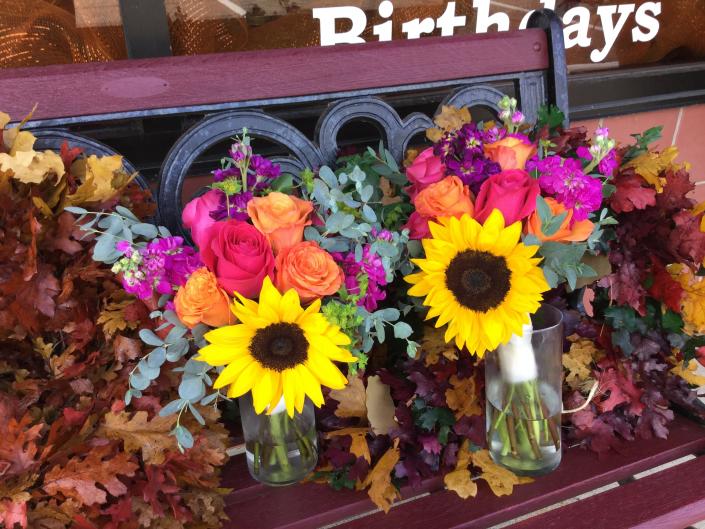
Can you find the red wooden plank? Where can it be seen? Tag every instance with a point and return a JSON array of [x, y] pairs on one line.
[[670, 499], [253, 506], [123, 86]]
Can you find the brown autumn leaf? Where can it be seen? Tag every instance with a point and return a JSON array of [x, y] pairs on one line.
[[380, 406], [79, 477], [126, 348], [500, 479], [351, 399], [112, 317], [460, 480], [359, 446], [379, 480], [138, 433], [462, 397], [433, 346]]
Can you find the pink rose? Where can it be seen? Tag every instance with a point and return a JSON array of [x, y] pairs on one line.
[[196, 215], [418, 227], [513, 192], [239, 256], [426, 169]]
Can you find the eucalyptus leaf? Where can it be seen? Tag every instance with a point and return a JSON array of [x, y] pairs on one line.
[[148, 337], [402, 330], [173, 407], [183, 437], [139, 381], [192, 389], [122, 210], [149, 231]]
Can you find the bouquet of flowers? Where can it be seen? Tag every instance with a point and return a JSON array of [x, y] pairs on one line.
[[505, 214], [285, 281]]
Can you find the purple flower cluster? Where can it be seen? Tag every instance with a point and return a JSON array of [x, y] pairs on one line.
[[564, 179], [260, 175], [162, 266], [462, 153], [367, 276]]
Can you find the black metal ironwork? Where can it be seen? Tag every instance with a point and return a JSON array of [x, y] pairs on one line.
[[273, 119]]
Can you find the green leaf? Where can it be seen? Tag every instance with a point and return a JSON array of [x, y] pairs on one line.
[[283, 184], [671, 321], [402, 330], [689, 349], [148, 337], [146, 230]]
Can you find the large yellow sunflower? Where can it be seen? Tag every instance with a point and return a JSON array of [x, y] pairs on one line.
[[278, 349], [480, 280]]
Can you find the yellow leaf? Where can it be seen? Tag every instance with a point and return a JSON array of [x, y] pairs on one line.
[[32, 167], [500, 479], [352, 399], [460, 480], [651, 165], [379, 479], [433, 346], [578, 360], [112, 317], [101, 178], [688, 373], [359, 446], [449, 119], [380, 406], [462, 397], [693, 303], [138, 433], [44, 349]]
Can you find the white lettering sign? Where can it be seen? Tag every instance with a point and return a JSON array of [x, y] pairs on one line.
[[642, 22]]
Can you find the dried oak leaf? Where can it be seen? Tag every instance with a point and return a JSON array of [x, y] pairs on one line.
[[380, 406], [433, 346], [18, 450], [500, 479], [664, 287], [687, 242], [112, 317], [12, 512], [65, 236], [351, 399], [32, 167], [651, 164], [87, 479], [460, 480], [620, 389], [688, 372], [138, 433], [358, 436], [675, 192], [450, 118], [578, 360], [693, 302], [379, 480], [462, 397], [631, 194], [126, 348], [101, 178]]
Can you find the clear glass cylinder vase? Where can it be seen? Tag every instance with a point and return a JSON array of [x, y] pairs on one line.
[[280, 450], [523, 386]]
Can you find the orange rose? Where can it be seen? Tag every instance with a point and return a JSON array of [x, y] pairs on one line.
[[510, 152], [447, 198], [201, 300], [281, 218], [309, 270], [579, 231]]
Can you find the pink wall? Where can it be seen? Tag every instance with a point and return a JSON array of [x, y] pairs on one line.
[[684, 127]]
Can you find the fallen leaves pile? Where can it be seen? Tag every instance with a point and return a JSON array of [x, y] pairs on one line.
[[71, 455]]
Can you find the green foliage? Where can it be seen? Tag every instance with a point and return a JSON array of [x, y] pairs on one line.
[[642, 142]]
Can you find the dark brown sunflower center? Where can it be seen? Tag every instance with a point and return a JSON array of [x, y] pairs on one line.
[[479, 280], [279, 346]]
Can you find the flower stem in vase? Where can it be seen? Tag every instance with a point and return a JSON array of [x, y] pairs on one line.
[[523, 411]]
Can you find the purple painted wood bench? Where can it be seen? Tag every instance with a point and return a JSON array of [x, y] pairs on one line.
[[279, 93]]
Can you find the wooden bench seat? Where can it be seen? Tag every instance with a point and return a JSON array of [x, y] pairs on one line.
[[671, 499]]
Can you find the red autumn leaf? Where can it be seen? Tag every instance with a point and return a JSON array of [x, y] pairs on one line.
[[68, 156], [65, 235], [675, 191], [12, 513], [625, 286], [18, 450], [686, 240], [631, 193], [89, 479], [619, 389], [664, 287]]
